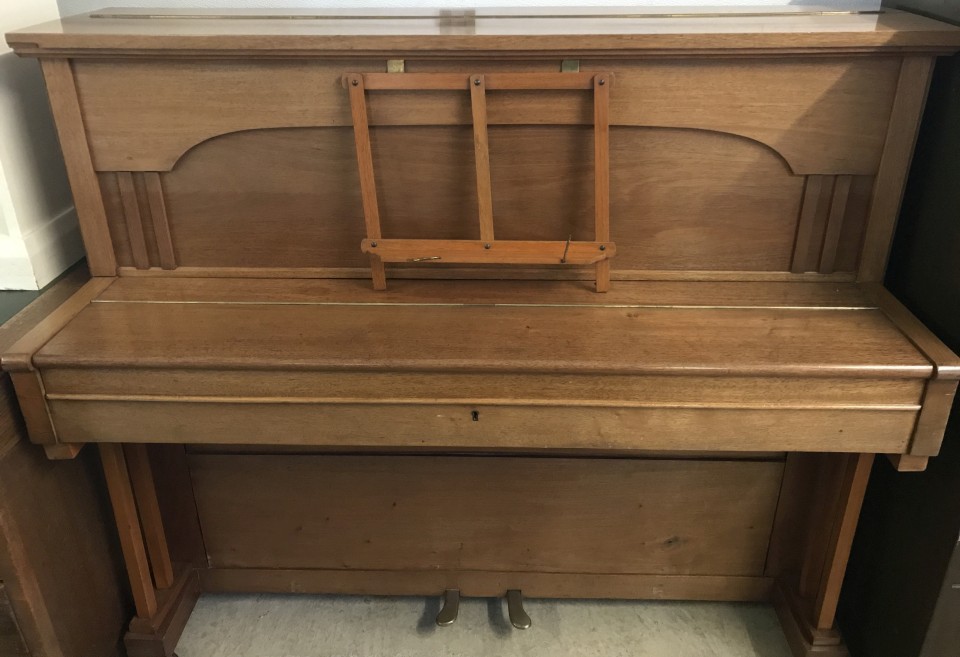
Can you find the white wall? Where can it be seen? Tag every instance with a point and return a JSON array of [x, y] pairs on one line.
[[70, 7], [39, 237]]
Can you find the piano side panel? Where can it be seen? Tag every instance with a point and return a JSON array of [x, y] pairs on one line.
[[520, 515], [680, 199]]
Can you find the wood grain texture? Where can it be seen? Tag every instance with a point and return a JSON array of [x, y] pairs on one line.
[[481, 147], [145, 493], [754, 341], [856, 473], [13, 330], [62, 609], [834, 228], [178, 507], [807, 608], [908, 106], [128, 525], [486, 251], [17, 356], [670, 203], [306, 291], [60, 567], [601, 171], [908, 462], [450, 427], [161, 224], [487, 584], [33, 406], [793, 508], [853, 225], [64, 99], [425, 252], [368, 185], [131, 212], [813, 216], [932, 421], [158, 636], [825, 504], [446, 426], [611, 391], [803, 638], [522, 81], [794, 107], [587, 512], [744, 35], [945, 361], [736, 416], [467, 272]]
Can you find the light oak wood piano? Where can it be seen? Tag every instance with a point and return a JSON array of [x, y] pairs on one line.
[[487, 304]]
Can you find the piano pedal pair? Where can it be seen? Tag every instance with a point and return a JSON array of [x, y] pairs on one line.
[[451, 609]]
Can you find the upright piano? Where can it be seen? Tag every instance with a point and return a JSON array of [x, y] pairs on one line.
[[512, 303]]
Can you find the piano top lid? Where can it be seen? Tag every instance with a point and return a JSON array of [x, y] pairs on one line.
[[566, 31]]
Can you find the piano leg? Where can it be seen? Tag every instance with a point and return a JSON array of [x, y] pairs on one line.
[[809, 578], [163, 596]]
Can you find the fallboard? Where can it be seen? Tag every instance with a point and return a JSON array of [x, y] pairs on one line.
[[524, 366]]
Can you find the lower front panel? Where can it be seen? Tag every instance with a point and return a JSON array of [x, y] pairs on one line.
[[553, 526]]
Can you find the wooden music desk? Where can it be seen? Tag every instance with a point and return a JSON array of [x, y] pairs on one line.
[[572, 306]]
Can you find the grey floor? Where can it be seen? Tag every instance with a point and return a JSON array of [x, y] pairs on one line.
[[317, 626]]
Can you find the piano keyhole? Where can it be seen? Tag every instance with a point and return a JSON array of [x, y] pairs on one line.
[[475, 416]]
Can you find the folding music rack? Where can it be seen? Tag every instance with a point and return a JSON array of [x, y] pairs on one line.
[[486, 250]]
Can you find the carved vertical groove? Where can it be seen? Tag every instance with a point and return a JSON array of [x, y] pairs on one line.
[[133, 219], [812, 219], [161, 224], [831, 237], [820, 227]]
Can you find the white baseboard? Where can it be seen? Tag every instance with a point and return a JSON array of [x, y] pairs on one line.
[[16, 272], [34, 260]]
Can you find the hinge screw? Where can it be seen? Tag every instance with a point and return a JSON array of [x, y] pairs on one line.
[[601, 82], [603, 247], [373, 244], [355, 83]]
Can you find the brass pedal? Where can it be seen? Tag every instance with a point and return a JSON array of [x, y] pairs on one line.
[[451, 608], [518, 617]]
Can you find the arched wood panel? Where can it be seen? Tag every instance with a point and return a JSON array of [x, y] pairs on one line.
[[680, 199]]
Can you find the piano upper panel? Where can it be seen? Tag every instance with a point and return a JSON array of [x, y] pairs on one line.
[[738, 143], [824, 115]]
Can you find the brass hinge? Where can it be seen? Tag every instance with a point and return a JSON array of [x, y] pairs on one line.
[[396, 65]]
